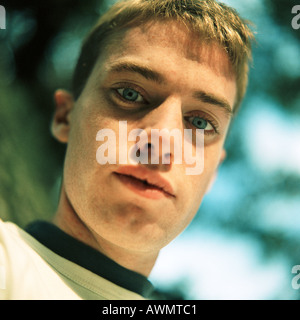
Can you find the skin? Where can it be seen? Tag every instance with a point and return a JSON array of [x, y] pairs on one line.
[[95, 207]]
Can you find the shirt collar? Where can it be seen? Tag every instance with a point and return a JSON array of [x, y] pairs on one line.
[[89, 258]]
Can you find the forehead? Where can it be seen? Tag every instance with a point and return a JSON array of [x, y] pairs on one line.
[[160, 37]]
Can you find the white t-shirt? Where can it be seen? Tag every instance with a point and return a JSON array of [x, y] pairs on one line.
[[31, 271]]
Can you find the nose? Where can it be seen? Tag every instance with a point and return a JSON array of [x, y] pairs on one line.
[[168, 115], [162, 143]]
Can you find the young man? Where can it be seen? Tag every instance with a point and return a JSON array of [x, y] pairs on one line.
[[154, 64]]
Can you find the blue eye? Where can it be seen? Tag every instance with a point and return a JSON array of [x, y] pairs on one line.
[[130, 95], [200, 123]]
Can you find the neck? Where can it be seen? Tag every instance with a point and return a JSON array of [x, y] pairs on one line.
[[67, 220]]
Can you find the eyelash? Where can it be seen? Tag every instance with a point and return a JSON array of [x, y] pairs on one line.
[[129, 86], [210, 120], [201, 115]]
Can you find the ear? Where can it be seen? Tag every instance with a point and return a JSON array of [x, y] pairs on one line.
[[60, 125], [214, 177]]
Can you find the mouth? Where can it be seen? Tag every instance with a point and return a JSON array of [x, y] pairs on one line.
[[145, 182]]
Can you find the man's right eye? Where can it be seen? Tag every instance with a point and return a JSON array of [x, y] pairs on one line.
[[130, 95]]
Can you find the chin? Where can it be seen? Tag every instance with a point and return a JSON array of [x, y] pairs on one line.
[[136, 235]]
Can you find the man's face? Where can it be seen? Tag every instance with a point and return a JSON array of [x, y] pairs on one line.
[[154, 77]]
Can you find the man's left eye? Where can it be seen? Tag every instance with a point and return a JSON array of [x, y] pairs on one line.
[[200, 123], [130, 95]]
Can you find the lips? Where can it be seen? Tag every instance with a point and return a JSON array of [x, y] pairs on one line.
[[145, 182]]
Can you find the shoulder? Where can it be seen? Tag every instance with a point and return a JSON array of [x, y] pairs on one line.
[[10, 239], [13, 248], [8, 234], [17, 258], [18, 249], [10, 245]]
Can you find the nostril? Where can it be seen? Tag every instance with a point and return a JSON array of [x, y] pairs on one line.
[[147, 147], [149, 153], [167, 158]]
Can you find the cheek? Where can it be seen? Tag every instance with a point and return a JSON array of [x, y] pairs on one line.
[[81, 149], [87, 120], [196, 193], [80, 144], [198, 185]]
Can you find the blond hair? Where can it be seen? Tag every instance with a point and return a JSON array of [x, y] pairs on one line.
[[211, 19]]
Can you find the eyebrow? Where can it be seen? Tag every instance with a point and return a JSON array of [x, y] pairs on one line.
[[214, 100], [157, 77], [142, 70]]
